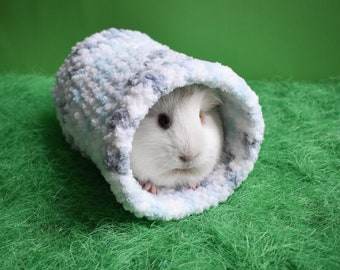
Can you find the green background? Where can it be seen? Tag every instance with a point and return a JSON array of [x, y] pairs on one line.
[[258, 39]]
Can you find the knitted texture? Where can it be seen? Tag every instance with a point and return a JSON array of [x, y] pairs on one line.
[[106, 87]]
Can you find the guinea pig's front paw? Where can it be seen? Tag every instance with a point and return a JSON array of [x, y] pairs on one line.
[[150, 188], [193, 186]]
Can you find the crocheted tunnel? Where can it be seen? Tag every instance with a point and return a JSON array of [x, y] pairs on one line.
[[107, 85]]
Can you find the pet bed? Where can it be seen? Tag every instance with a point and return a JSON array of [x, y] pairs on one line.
[[107, 85]]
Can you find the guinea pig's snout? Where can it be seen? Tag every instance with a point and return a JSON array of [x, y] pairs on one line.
[[187, 157]]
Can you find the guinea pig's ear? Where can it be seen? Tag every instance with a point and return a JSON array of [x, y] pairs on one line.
[[210, 101]]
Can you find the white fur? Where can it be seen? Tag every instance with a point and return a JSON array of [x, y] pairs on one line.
[[155, 156]]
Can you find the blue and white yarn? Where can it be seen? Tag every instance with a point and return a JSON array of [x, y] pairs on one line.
[[105, 88]]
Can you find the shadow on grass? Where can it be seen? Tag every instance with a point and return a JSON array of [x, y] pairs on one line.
[[82, 194]]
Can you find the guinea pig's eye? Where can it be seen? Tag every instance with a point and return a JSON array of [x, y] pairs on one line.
[[202, 117], [164, 121]]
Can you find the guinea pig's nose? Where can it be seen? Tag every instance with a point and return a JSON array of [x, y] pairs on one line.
[[184, 158], [187, 158]]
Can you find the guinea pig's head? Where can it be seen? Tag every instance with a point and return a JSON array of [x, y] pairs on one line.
[[180, 140]]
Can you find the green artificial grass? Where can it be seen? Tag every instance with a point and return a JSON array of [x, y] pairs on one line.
[[57, 212]]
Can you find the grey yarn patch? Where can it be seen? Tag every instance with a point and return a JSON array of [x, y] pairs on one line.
[[117, 160]]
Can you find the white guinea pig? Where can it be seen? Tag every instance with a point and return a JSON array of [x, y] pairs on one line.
[[179, 141]]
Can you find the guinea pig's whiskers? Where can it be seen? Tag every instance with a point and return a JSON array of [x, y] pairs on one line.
[[168, 164]]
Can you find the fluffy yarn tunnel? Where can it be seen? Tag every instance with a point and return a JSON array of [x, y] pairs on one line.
[[105, 88]]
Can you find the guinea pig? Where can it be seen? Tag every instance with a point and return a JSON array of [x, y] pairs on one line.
[[179, 142]]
